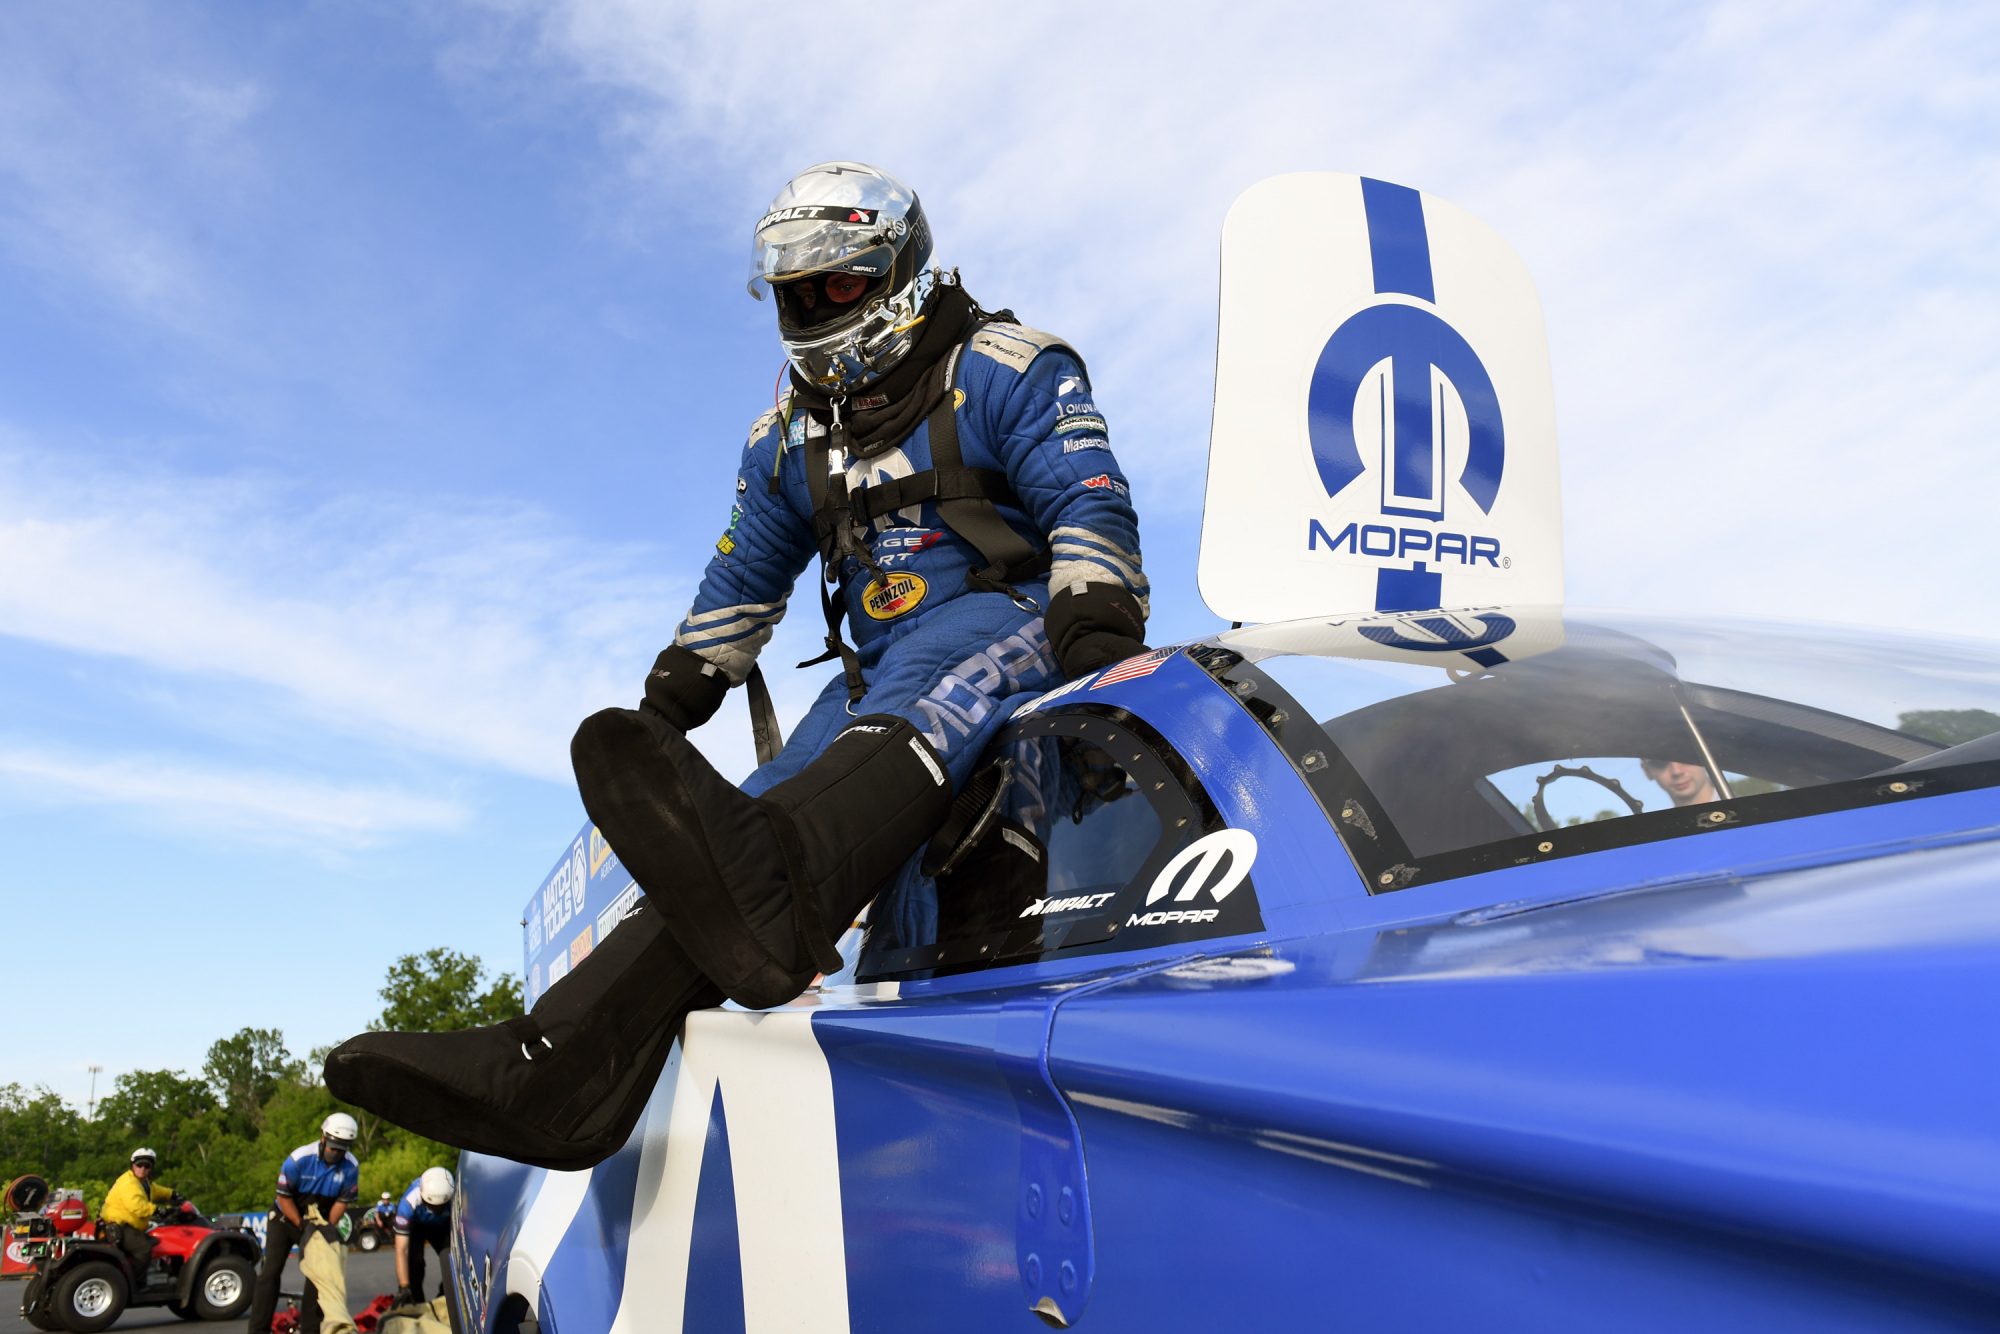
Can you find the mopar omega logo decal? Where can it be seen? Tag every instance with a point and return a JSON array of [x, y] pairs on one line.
[[1432, 398]]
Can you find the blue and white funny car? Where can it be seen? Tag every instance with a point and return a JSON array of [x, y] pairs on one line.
[[1420, 955]]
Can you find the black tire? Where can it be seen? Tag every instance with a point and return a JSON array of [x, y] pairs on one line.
[[223, 1290], [34, 1309], [89, 1297], [369, 1240]]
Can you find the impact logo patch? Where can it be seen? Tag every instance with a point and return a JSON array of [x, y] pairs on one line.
[[817, 213], [898, 596]]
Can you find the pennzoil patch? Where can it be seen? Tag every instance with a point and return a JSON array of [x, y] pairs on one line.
[[885, 601]]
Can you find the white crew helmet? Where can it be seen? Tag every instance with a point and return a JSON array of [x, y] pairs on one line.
[[843, 222], [435, 1187], [340, 1129]]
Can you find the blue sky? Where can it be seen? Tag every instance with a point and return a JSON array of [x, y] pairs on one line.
[[372, 378]]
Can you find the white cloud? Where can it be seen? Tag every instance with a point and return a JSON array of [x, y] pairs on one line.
[[268, 806], [1766, 237], [477, 633]]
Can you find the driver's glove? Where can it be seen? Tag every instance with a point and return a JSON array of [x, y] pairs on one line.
[[684, 688], [1094, 625], [408, 1296]]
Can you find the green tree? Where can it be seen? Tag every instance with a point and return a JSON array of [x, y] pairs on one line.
[[39, 1133], [1949, 727], [245, 1070], [162, 1109], [441, 990]]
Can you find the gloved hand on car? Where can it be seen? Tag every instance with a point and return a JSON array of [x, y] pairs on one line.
[[1094, 625], [408, 1296]]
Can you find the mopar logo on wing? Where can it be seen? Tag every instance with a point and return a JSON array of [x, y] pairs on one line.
[[1399, 379]]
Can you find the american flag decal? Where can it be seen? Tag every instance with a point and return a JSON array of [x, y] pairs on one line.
[[1133, 668]]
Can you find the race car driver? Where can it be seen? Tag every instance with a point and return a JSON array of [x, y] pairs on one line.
[[129, 1207], [423, 1218], [953, 474], [324, 1176]]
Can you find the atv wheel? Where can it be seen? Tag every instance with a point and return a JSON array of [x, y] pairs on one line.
[[370, 1239], [35, 1307], [89, 1297], [224, 1290]]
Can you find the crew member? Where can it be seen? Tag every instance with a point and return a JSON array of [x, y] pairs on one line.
[[950, 469], [323, 1174], [423, 1218], [129, 1207], [385, 1211]]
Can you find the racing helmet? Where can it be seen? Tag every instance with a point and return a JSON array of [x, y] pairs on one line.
[[846, 251], [436, 1187], [146, 1156], [340, 1130]]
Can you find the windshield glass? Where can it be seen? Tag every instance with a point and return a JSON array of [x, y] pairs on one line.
[[1440, 759]]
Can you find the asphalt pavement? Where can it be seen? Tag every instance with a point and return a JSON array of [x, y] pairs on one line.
[[367, 1275]]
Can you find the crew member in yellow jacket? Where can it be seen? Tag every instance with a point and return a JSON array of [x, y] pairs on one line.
[[129, 1207]]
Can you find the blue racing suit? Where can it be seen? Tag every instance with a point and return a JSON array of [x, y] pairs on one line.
[[934, 651]]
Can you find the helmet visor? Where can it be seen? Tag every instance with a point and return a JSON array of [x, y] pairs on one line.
[[820, 238]]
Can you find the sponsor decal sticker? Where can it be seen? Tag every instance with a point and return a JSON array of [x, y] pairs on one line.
[[957, 399], [898, 596], [1087, 442], [1103, 481], [1079, 425], [1081, 682], [1210, 867], [1134, 668], [741, 486], [817, 213], [1068, 385], [615, 911], [579, 949], [600, 851], [1074, 903], [869, 402], [725, 544]]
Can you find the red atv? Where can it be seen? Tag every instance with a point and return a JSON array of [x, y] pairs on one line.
[[198, 1271]]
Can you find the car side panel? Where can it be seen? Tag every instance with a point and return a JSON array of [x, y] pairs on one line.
[[1638, 1113]]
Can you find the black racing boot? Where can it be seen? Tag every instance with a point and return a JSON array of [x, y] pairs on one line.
[[559, 1087], [755, 888]]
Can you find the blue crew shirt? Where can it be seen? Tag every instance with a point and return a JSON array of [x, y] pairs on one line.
[[416, 1219], [309, 1179]]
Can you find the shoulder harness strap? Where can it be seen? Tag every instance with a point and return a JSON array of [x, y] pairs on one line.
[[966, 499]]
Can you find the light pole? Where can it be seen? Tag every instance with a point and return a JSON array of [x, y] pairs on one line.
[[90, 1107]]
